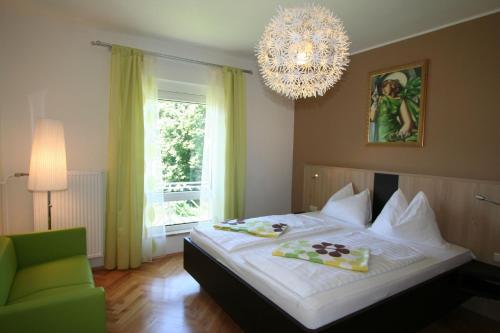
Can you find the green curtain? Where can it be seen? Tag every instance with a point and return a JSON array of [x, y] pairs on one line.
[[236, 136], [125, 190]]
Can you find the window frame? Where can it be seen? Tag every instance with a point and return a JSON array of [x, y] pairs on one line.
[[185, 97], [196, 96]]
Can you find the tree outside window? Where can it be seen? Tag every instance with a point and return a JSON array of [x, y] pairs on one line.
[[182, 128]]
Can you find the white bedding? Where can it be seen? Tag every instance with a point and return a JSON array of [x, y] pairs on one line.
[[298, 225], [332, 303], [306, 279]]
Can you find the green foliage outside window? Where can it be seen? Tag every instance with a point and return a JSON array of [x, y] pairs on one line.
[[182, 131], [182, 127]]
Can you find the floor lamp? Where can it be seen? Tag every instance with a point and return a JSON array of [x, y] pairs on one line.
[[48, 161]]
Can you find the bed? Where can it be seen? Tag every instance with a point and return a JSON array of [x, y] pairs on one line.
[[242, 280]]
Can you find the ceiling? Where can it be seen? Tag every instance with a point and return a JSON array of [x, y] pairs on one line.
[[236, 25]]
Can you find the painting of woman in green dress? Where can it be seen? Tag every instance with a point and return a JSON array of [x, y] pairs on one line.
[[397, 101]]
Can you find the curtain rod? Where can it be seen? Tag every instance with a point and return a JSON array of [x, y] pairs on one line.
[[170, 57]]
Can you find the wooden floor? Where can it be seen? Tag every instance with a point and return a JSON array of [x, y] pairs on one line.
[[162, 297]]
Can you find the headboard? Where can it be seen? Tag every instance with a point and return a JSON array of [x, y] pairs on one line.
[[462, 219]]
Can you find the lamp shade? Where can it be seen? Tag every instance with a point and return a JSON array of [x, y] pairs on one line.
[[48, 157]]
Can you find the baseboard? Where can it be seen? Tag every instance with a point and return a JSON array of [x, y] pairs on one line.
[[97, 262]]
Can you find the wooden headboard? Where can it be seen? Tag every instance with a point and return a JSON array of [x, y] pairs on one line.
[[462, 219]]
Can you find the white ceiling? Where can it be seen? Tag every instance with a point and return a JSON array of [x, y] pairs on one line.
[[236, 25]]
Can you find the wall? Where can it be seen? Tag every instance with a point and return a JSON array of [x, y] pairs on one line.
[[48, 68], [1, 210], [462, 122]]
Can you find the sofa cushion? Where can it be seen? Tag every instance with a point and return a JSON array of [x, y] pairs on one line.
[[8, 266], [67, 272], [39, 247]]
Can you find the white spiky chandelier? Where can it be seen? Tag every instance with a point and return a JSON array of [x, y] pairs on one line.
[[303, 51]]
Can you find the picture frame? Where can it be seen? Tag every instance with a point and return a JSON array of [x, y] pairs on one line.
[[397, 99]]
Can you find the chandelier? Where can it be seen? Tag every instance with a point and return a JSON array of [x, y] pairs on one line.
[[303, 51]]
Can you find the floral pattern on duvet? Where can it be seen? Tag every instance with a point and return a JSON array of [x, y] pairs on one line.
[[325, 253], [254, 227]]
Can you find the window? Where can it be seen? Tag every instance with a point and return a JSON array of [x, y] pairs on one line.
[[181, 138]]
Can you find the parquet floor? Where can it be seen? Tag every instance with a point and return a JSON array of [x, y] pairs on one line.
[[162, 297]]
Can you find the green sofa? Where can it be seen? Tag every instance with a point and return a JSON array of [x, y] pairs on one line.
[[46, 284]]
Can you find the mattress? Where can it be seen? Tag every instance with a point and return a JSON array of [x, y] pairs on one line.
[[322, 308], [299, 225]]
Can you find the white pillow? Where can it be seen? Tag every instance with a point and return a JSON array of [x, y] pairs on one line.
[[390, 214], [344, 192], [354, 209], [417, 223]]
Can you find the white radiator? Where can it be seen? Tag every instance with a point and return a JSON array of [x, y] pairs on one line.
[[82, 204]]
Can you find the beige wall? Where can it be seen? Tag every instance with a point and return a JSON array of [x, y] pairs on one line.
[[49, 69], [462, 129]]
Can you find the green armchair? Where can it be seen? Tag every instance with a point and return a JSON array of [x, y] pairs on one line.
[[46, 284]]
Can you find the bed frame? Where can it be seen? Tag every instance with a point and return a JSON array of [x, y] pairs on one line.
[[407, 311]]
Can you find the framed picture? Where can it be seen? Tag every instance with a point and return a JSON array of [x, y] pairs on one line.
[[396, 112]]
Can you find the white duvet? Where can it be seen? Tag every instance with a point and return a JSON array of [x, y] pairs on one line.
[[299, 225], [306, 279]]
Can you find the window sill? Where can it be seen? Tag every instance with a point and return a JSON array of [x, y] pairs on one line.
[[178, 232], [182, 228]]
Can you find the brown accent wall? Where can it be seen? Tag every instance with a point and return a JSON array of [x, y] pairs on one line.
[[462, 128]]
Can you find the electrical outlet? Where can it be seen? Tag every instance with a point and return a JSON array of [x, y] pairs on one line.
[[496, 256], [313, 208]]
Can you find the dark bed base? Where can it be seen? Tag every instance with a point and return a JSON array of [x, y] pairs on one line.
[[407, 311]]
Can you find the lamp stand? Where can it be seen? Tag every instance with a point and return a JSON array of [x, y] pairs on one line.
[[49, 206]]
